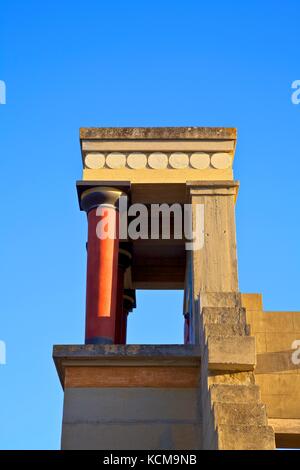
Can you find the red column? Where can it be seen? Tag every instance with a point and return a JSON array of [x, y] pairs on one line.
[[102, 264]]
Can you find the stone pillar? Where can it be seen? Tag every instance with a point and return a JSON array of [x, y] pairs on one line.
[[101, 205], [215, 265], [233, 415]]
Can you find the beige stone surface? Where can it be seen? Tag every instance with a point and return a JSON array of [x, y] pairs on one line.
[[137, 160], [261, 344], [252, 301], [280, 341], [94, 160], [220, 300], [287, 433], [279, 384], [163, 146], [149, 175], [232, 393], [296, 321], [219, 330], [130, 436], [243, 437], [179, 160], [230, 378], [282, 406], [115, 160], [221, 160], [286, 426], [158, 160], [240, 413], [275, 373], [231, 353], [200, 160], [224, 316], [215, 265]]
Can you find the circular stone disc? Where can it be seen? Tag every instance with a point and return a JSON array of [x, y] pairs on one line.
[[220, 160], [137, 160], [94, 160], [116, 160], [158, 160], [200, 160], [179, 160]]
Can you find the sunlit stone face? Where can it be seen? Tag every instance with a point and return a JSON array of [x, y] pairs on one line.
[[158, 160]]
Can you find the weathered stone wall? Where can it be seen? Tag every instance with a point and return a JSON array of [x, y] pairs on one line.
[[277, 373], [130, 397], [131, 418]]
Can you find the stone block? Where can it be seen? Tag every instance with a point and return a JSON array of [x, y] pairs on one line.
[[296, 321], [130, 436], [240, 413], [280, 341], [230, 377], [252, 301], [261, 344], [212, 329], [223, 315], [130, 404], [241, 437], [235, 393], [220, 299], [231, 353]]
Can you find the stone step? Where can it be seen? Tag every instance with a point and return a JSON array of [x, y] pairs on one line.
[[221, 315], [220, 299], [250, 414], [235, 393], [244, 437], [229, 378], [214, 329], [230, 353]]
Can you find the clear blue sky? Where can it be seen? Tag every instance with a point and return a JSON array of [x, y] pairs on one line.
[[159, 63]]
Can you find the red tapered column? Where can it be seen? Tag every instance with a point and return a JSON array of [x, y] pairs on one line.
[[101, 205]]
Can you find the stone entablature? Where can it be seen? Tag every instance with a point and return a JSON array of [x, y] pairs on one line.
[[199, 153]]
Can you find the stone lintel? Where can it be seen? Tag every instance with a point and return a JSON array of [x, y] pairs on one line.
[[124, 356], [208, 188], [158, 155], [287, 432]]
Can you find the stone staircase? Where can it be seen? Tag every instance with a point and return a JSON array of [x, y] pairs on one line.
[[234, 418]]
